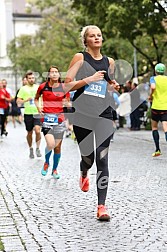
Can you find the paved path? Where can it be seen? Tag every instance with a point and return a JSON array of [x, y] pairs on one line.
[[40, 214]]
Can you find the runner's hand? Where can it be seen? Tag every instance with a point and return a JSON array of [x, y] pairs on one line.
[[99, 75], [150, 98], [40, 111]]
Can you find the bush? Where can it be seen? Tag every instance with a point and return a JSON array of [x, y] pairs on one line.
[[148, 121], [1, 246]]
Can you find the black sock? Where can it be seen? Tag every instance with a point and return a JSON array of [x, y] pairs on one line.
[[156, 139]]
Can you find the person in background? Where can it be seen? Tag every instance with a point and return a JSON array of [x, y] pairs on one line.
[[128, 85], [135, 103], [21, 106], [8, 108], [15, 112], [5, 98], [114, 104], [158, 98], [32, 122], [69, 118], [54, 99], [124, 108]]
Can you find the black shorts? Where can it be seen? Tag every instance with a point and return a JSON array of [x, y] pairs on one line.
[[15, 111], [6, 111], [31, 121], [158, 115]]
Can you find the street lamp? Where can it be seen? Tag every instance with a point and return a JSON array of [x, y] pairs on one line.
[[15, 68], [135, 66]]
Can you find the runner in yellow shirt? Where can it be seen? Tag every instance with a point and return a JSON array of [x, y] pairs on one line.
[[158, 97], [26, 95]]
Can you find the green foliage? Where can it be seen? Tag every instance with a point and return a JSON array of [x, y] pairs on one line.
[[1, 246], [54, 44], [24, 55], [148, 123], [125, 24], [142, 23]]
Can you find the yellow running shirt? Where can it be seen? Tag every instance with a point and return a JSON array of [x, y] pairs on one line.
[[26, 92], [160, 92]]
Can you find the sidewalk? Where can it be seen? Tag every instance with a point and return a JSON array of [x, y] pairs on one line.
[[41, 214]]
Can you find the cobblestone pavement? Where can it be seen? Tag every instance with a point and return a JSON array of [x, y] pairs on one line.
[[40, 214]]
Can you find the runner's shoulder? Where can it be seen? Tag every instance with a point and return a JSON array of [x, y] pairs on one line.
[[111, 60], [78, 56]]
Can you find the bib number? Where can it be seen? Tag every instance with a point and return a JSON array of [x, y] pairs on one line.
[[51, 119], [32, 102], [96, 89]]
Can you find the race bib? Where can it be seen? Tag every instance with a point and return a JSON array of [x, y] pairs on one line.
[[1, 111], [32, 102], [96, 88], [50, 119]]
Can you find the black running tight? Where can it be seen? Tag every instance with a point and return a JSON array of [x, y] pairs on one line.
[[2, 122], [100, 130]]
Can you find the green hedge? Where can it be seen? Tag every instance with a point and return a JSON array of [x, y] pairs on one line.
[[148, 124], [1, 246]]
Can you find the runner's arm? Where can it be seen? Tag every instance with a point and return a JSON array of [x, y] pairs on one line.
[[36, 101], [112, 81], [152, 88], [75, 64], [21, 101]]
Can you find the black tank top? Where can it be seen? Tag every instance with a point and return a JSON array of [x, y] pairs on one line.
[[87, 104], [90, 66]]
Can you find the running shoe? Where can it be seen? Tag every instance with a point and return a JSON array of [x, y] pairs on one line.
[[5, 132], [31, 153], [84, 184], [44, 170], [72, 135], [102, 213], [55, 174], [156, 153], [38, 153], [68, 133], [1, 138]]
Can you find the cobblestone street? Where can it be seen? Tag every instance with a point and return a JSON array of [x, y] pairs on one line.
[[41, 214]]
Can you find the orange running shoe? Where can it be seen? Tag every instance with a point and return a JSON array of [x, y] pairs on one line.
[[55, 174], [102, 214], [84, 184], [44, 170]]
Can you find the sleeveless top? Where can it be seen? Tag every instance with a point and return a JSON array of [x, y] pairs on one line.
[[94, 99], [160, 93]]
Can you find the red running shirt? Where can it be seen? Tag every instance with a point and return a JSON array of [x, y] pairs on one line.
[[53, 99], [3, 103]]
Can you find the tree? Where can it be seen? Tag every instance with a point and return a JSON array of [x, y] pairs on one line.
[[54, 43], [142, 23]]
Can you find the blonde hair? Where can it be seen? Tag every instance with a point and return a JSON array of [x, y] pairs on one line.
[[84, 33]]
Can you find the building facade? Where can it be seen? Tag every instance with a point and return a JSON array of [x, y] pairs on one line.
[[17, 18]]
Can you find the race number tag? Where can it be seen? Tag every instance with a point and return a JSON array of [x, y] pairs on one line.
[[1, 111], [50, 119], [96, 88], [32, 102]]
